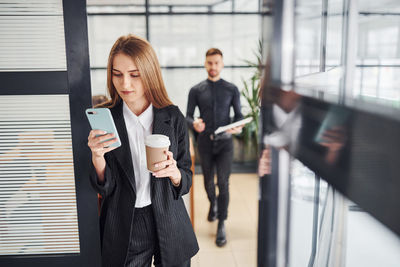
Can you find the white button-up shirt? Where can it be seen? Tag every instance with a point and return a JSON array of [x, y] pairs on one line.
[[138, 127]]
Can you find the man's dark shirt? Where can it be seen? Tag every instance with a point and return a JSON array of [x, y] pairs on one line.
[[214, 100]]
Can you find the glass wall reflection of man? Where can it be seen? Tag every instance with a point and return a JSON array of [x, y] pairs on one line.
[[214, 97]]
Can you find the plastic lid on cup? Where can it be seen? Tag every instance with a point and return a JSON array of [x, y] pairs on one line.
[[157, 140]]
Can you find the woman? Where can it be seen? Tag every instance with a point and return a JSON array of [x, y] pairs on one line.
[[142, 214]]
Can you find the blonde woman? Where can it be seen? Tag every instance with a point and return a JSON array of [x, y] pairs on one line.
[[143, 217]]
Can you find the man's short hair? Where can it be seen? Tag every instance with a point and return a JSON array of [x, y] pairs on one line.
[[213, 51]]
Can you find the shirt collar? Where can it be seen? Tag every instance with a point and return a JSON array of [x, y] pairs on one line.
[[145, 119], [220, 79]]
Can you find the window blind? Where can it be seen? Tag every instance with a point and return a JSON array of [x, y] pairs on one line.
[[37, 190], [32, 35]]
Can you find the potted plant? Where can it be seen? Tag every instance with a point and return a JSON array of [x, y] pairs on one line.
[[251, 90]]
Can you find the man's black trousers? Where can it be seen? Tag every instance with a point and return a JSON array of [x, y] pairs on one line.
[[216, 155]]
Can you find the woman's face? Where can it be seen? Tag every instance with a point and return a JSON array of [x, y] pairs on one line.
[[127, 81]]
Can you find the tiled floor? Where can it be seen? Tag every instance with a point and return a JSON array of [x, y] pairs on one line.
[[241, 226]]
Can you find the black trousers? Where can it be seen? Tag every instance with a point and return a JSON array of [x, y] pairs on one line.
[[144, 242], [216, 154]]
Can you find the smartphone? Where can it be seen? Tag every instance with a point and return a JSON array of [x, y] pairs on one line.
[[101, 119], [336, 116]]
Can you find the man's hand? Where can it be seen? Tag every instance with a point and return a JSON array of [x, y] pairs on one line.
[[235, 130], [199, 125]]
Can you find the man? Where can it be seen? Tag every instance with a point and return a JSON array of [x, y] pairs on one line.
[[214, 97]]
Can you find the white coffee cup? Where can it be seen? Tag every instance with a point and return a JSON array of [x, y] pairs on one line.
[[156, 145]]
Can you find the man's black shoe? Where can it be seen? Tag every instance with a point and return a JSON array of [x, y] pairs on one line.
[[212, 213], [221, 234]]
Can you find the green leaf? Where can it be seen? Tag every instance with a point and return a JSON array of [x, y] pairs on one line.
[[250, 92]]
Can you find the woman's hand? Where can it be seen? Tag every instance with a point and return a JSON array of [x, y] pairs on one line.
[[97, 144], [333, 139], [264, 164], [99, 148], [169, 169]]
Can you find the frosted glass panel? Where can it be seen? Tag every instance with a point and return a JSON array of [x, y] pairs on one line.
[[38, 212], [184, 40], [98, 79], [105, 30], [246, 5], [32, 36]]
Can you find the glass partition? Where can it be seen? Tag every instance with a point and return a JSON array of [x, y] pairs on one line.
[[32, 36], [339, 122], [38, 213], [180, 32], [48, 211], [104, 31], [378, 59], [334, 34], [308, 23], [181, 40], [368, 242]]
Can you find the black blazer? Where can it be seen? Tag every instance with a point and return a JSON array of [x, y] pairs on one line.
[[175, 232]]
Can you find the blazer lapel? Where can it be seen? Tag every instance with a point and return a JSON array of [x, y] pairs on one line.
[[123, 153], [161, 125], [161, 122]]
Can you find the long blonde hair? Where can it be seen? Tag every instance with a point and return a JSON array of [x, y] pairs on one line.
[[145, 59]]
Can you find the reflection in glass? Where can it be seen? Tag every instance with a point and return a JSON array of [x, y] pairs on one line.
[[339, 144], [334, 34], [385, 7], [368, 242], [322, 84], [355, 151], [332, 134], [378, 60], [301, 212], [308, 37], [315, 32]]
